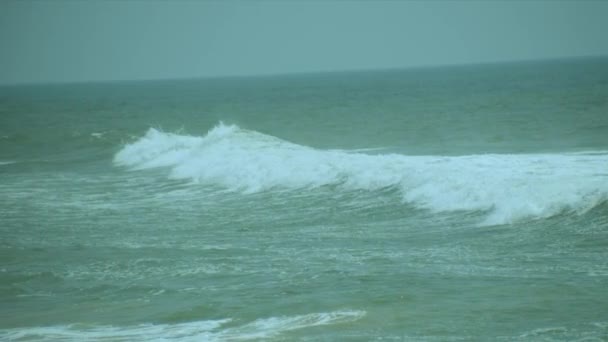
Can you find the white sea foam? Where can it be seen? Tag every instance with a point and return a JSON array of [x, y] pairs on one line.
[[215, 330], [509, 187], [6, 162]]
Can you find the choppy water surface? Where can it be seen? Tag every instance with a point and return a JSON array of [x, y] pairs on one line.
[[464, 203]]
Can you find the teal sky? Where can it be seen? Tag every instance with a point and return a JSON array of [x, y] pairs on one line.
[[57, 41]]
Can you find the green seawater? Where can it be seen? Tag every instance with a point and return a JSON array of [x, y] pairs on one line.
[[456, 203]]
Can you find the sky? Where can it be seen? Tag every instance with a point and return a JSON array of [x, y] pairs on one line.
[[75, 41]]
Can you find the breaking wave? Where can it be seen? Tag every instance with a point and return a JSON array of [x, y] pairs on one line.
[[509, 187]]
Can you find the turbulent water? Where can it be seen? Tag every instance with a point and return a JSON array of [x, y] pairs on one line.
[[456, 203]]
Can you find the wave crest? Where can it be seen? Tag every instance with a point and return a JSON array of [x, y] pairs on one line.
[[216, 330], [508, 187]]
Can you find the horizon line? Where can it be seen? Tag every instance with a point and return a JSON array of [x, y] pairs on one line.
[[301, 73]]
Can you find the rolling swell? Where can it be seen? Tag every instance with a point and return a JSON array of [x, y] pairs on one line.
[[507, 187], [59, 146]]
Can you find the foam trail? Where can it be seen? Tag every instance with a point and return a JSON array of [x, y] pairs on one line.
[[508, 187], [184, 332]]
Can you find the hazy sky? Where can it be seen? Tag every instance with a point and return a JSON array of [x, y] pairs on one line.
[[86, 40]]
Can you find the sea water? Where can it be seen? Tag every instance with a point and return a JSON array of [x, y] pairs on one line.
[[438, 204]]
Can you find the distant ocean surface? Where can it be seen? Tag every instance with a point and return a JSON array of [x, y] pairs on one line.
[[463, 203]]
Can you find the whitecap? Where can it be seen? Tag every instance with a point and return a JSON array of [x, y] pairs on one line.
[[508, 187], [210, 330]]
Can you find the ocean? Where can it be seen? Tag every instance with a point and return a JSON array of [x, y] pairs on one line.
[[460, 203]]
